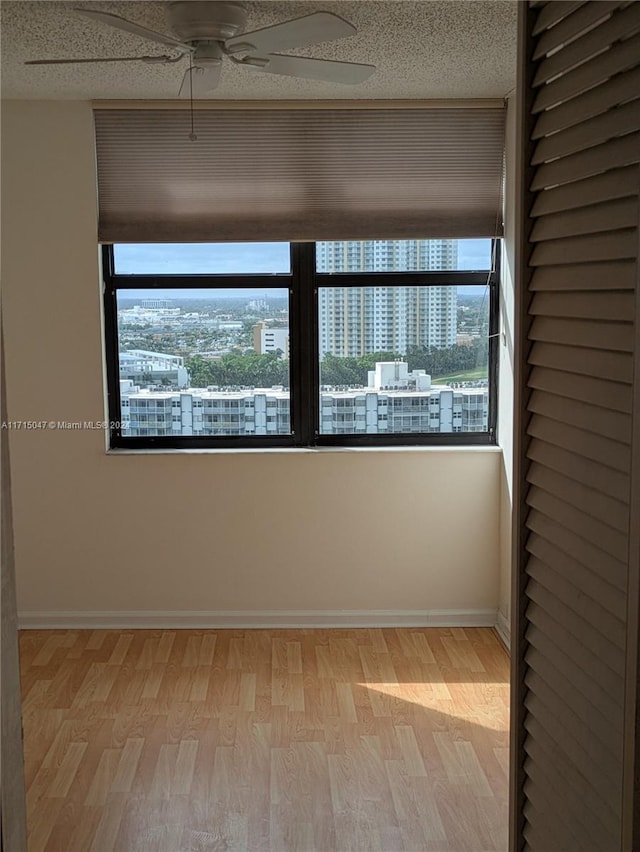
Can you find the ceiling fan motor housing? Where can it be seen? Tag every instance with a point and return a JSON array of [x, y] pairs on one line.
[[205, 20]]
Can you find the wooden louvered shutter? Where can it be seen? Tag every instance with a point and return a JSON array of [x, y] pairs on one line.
[[579, 514]]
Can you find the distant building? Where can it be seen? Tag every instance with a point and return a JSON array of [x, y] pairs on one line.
[[156, 304], [267, 339], [396, 401], [153, 368], [395, 375], [466, 339], [355, 321], [203, 412], [386, 255]]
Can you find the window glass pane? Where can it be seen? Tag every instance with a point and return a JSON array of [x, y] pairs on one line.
[[403, 359], [202, 258], [403, 255], [204, 362]]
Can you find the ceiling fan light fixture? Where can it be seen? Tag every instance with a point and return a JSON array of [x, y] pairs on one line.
[[207, 53]]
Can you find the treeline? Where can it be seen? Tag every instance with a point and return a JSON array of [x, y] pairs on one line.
[[453, 359], [436, 362], [250, 370], [253, 370]]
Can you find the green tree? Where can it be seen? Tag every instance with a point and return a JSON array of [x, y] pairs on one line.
[[199, 371]]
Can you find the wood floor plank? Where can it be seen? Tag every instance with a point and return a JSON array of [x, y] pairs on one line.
[[127, 766], [67, 770], [389, 740]]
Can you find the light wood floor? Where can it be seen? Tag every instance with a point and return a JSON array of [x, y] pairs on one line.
[[281, 740]]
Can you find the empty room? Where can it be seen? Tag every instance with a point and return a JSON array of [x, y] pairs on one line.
[[319, 426]]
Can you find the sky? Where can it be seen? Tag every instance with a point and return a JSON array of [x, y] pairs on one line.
[[269, 258]]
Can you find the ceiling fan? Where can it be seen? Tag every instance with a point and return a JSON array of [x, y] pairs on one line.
[[205, 31]]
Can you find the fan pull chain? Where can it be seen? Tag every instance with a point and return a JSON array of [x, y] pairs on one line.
[[192, 135]]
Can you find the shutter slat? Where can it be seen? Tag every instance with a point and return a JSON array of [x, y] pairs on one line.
[[587, 804], [578, 548], [577, 724], [589, 473], [591, 446], [598, 189], [615, 366], [582, 332], [622, 23], [622, 56], [579, 600], [591, 418], [606, 216], [611, 155], [559, 738], [591, 103], [615, 245], [572, 26], [616, 122], [599, 534], [537, 832], [589, 500], [607, 305], [543, 647], [597, 655], [573, 698], [563, 830], [614, 275], [595, 818], [587, 389], [554, 12]]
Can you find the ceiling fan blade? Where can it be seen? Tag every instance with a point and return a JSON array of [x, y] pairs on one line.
[[129, 26], [311, 69], [158, 59], [203, 80], [299, 32]]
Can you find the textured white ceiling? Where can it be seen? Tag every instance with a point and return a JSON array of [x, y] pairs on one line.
[[429, 49]]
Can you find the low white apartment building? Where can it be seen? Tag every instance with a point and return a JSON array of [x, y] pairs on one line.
[[144, 367], [396, 401]]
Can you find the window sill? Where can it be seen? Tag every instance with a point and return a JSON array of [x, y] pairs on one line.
[[478, 448]]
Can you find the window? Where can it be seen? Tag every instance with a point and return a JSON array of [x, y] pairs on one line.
[[272, 344]]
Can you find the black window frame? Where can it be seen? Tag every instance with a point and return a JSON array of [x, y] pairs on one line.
[[303, 283]]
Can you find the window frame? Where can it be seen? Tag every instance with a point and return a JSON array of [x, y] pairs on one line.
[[303, 283]]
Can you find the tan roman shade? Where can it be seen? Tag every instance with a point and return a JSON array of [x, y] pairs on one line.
[[298, 174]]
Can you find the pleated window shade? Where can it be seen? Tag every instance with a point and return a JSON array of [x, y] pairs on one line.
[[300, 174]]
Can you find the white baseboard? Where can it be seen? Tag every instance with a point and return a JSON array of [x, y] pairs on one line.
[[257, 619], [503, 629]]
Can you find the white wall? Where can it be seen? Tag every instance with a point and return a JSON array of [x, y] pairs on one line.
[[395, 530], [506, 373]]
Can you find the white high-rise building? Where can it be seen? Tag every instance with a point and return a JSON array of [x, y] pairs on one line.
[[357, 321], [386, 255]]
